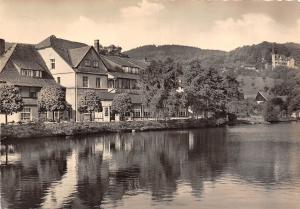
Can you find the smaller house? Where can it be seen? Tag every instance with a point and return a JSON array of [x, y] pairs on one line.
[[262, 97], [22, 66]]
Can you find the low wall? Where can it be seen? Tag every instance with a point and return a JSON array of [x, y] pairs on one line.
[[83, 128]]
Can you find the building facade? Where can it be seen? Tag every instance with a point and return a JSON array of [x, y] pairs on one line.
[[281, 60], [78, 68]]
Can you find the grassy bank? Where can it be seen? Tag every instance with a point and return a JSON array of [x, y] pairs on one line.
[[37, 130]]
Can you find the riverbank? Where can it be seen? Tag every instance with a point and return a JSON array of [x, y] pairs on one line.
[[39, 130], [251, 120]]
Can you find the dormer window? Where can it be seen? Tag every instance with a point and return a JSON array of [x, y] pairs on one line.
[[87, 63], [95, 63], [52, 64], [37, 73], [31, 73], [25, 72]]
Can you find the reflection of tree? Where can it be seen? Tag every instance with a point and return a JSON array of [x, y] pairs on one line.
[[24, 183], [115, 165], [92, 184], [207, 159]]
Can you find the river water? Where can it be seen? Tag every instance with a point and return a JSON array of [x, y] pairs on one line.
[[230, 168]]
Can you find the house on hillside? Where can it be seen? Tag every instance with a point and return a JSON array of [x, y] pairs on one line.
[[262, 97], [21, 65], [281, 60]]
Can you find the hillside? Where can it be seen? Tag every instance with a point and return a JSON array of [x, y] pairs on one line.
[[255, 55], [260, 54], [178, 53]]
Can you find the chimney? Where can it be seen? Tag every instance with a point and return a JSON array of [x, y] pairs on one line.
[[97, 45], [2, 46]]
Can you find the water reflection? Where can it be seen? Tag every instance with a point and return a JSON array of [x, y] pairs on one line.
[[155, 169]]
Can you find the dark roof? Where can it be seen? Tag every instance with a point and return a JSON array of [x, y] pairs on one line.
[[76, 55], [106, 96], [24, 56], [265, 95], [125, 75], [141, 63], [114, 62], [72, 52], [8, 45]]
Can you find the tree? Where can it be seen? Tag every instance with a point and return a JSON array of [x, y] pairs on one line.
[[159, 84], [112, 50], [205, 89], [89, 103], [122, 104], [52, 98], [273, 109], [10, 100]]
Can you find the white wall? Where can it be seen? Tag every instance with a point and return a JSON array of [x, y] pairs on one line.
[[62, 68]]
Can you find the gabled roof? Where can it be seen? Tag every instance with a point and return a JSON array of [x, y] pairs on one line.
[[23, 56], [6, 56], [61, 46], [71, 52], [141, 63], [76, 55], [121, 61], [265, 95]]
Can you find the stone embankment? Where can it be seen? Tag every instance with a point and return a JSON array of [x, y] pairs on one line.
[[39, 130]]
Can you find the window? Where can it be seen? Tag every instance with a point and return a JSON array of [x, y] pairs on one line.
[[87, 63], [126, 69], [147, 114], [124, 83], [111, 83], [37, 73], [95, 64], [137, 113], [26, 114], [52, 64], [25, 72], [85, 81], [106, 111], [98, 83], [33, 92], [33, 95], [58, 80]]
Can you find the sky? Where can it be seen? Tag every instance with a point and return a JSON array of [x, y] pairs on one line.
[[222, 25]]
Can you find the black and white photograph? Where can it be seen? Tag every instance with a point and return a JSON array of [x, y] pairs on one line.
[[150, 104]]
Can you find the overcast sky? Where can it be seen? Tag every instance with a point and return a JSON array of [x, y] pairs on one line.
[[133, 23]]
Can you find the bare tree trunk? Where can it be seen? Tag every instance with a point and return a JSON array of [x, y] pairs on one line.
[[91, 118], [53, 116], [6, 118]]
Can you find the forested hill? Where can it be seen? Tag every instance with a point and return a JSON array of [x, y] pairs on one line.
[[178, 53], [258, 54]]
